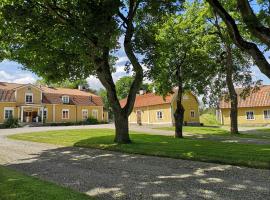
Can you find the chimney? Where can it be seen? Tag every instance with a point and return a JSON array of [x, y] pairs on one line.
[[81, 87], [142, 92], [154, 90]]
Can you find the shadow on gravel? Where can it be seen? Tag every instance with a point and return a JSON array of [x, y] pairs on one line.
[[111, 175]]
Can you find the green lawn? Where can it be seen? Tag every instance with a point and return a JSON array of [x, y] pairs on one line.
[[16, 186], [210, 151], [209, 119], [208, 130], [218, 131]]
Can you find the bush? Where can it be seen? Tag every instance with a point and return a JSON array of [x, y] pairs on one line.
[[11, 123], [91, 121]]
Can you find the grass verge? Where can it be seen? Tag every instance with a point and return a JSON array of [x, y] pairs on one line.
[[17, 186], [250, 155]]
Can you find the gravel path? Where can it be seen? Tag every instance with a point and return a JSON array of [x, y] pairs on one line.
[[112, 175]]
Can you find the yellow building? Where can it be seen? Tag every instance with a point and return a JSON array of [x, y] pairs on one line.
[[151, 108], [32, 104], [252, 111]]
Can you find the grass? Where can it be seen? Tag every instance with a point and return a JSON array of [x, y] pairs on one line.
[[209, 120], [17, 186], [218, 131], [251, 155]]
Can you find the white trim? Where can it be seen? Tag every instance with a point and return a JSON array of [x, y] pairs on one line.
[[95, 110], [148, 114], [161, 115], [65, 97], [27, 85], [253, 115], [53, 112], [63, 111], [29, 94], [85, 110], [8, 108], [268, 112], [194, 114]]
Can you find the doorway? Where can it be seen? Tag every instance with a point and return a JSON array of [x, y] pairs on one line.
[[139, 117]]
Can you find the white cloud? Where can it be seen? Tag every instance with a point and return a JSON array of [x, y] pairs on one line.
[[22, 78]]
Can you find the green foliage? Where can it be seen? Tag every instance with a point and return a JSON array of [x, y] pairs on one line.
[[65, 84], [123, 85], [178, 41], [156, 145], [11, 123], [209, 119], [58, 40], [16, 186]]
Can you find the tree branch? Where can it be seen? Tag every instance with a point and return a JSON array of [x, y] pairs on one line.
[[249, 47], [133, 5], [252, 22]]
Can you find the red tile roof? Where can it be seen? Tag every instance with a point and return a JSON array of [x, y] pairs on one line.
[[52, 95], [149, 99], [260, 98]]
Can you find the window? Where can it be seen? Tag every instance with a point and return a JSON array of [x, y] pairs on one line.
[[28, 97], [65, 99], [95, 114], [84, 114], [65, 114], [45, 113], [250, 115], [192, 114], [8, 112], [159, 115], [266, 114]]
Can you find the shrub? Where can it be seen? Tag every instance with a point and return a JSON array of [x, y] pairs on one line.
[[11, 123], [91, 121]]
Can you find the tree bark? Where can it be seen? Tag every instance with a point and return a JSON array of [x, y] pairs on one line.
[[249, 47], [179, 112], [232, 92], [121, 129]]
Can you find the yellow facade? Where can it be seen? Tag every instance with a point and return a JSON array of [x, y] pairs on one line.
[[54, 112], [259, 118], [149, 114]]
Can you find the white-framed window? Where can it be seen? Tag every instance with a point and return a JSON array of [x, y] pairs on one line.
[[84, 114], [266, 114], [192, 114], [8, 112], [250, 115], [28, 97], [159, 115], [65, 114], [95, 114], [65, 99], [45, 113]]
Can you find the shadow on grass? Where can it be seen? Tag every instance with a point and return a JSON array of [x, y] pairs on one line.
[[112, 175], [228, 152]]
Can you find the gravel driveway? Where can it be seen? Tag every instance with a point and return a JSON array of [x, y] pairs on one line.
[[112, 175]]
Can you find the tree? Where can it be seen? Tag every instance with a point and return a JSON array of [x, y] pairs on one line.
[[233, 68], [123, 85], [258, 26], [61, 40], [66, 84], [177, 56]]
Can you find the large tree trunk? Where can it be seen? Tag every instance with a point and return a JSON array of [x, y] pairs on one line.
[[179, 120], [121, 129], [179, 112], [232, 92]]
